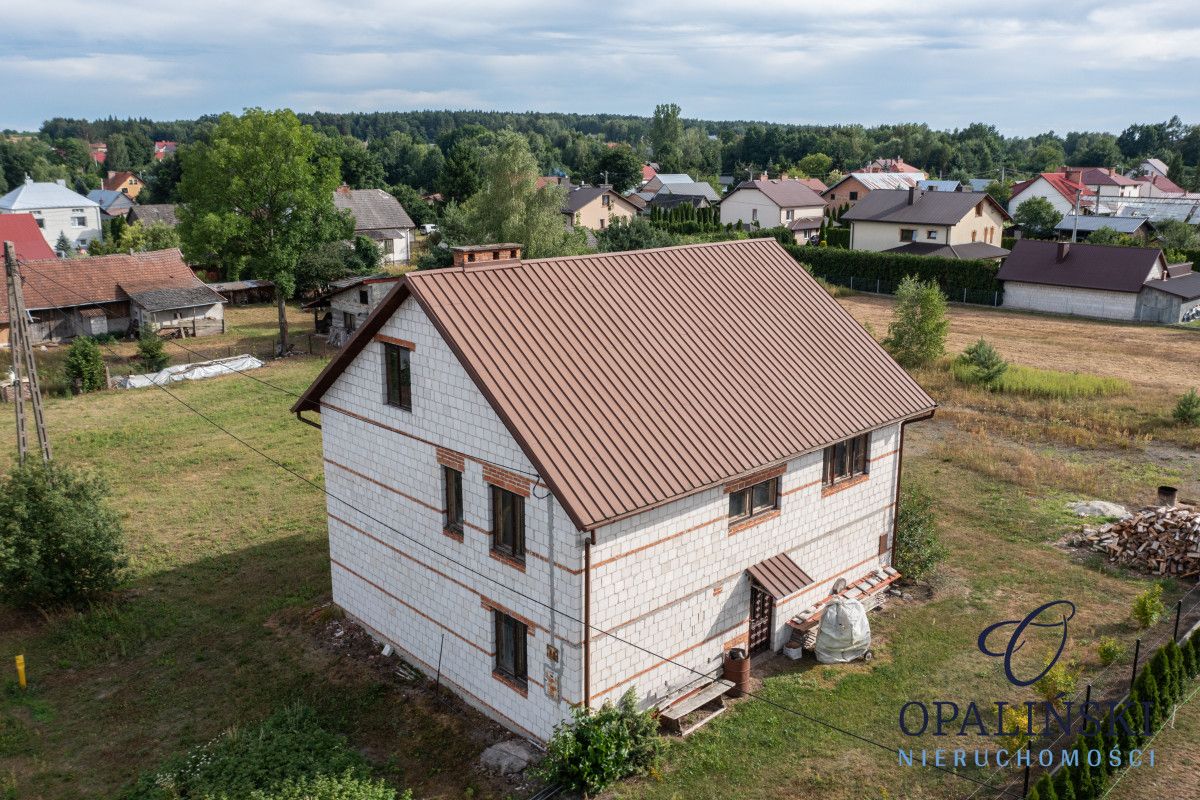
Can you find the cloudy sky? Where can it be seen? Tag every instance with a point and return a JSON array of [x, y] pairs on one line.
[[1023, 65]]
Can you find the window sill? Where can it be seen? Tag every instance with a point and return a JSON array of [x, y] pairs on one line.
[[750, 522], [518, 686], [454, 533], [845, 484], [505, 558]]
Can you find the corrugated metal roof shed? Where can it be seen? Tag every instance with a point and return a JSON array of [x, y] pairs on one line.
[[632, 379]]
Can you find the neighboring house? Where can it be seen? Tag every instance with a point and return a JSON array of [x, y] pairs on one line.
[[98, 151], [57, 211], [667, 202], [890, 165], [1103, 181], [124, 182], [924, 223], [1091, 280], [595, 207], [940, 186], [162, 149], [1086, 224], [1158, 186], [857, 185], [554, 180], [246, 291], [23, 231], [661, 178], [114, 294], [648, 172], [806, 229], [518, 454], [154, 212], [692, 189], [1057, 189], [348, 303], [112, 203], [816, 184], [772, 202], [380, 217], [1151, 167]]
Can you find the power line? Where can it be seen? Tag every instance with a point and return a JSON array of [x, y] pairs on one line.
[[515, 593]]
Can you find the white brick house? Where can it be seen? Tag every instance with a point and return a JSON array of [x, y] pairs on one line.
[[536, 469]]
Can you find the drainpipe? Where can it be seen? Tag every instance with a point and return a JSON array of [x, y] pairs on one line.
[[587, 619]]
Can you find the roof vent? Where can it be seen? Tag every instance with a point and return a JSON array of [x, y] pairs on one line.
[[1063, 249]]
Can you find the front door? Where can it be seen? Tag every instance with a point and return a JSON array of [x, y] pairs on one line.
[[762, 615]]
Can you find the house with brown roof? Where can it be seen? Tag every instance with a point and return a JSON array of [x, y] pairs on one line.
[[769, 203], [115, 295], [124, 182], [595, 207], [379, 217], [963, 225], [555, 491], [896, 164], [1103, 281], [857, 185], [1154, 185]]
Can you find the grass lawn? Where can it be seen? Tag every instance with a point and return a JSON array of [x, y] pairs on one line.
[[229, 560]]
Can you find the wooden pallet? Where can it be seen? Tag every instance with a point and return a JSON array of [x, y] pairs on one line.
[[712, 696]]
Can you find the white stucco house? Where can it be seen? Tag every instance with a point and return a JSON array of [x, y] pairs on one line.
[[562, 493], [768, 203], [1057, 189], [380, 217], [57, 211]]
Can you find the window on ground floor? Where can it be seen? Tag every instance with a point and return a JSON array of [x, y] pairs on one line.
[[508, 523], [908, 234], [510, 648], [753, 500], [846, 460]]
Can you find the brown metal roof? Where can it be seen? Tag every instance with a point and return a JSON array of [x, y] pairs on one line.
[[1082, 266], [780, 576], [632, 379], [925, 208]]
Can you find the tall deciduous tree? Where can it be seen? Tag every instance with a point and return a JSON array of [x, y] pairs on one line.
[[1037, 218], [256, 195], [666, 137], [620, 167]]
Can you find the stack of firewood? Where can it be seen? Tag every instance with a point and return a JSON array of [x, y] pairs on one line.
[[1162, 541]]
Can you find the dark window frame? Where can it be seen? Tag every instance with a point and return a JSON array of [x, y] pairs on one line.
[[846, 460], [364, 297], [908, 234], [397, 362], [512, 654], [508, 537], [746, 504], [452, 497], [853, 195]]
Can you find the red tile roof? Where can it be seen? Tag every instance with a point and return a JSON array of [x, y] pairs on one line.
[[648, 172], [1059, 182], [633, 379], [22, 230], [1163, 183], [62, 283]]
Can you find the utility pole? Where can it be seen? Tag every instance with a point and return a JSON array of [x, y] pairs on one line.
[[1075, 218], [24, 367]]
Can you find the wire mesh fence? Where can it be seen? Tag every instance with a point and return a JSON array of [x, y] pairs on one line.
[[955, 294]]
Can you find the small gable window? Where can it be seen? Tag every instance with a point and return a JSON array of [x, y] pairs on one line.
[[397, 376]]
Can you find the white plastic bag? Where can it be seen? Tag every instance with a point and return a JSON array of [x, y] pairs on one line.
[[845, 633]]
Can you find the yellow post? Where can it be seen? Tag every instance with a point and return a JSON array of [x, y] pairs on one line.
[[21, 671]]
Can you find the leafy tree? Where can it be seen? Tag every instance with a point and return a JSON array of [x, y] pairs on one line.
[[1175, 166], [63, 246], [918, 546], [1000, 192], [636, 234], [118, 157], [666, 137], [1046, 157], [162, 180], [152, 352], [1187, 409], [510, 208], [60, 542], [257, 195], [332, 261], [1108, 236], [1176, 235], [917, 334], [620, 167], [1037, 218], [407, 161], [815, 165], [361, 169], [462, 172], [418, 210], [85, 365]]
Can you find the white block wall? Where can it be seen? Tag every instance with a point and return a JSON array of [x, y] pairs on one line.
[[673, 579], [414, 585], [1067, 300]]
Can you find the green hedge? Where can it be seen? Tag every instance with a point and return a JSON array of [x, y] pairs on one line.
[[838, 237], [961, 280], [1007, 242]]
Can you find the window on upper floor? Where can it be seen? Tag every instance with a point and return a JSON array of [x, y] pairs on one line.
[[364, 297], [854, 195], [452, 497], [508, 523], [79, 222], [790, 214], [979, 209], [753, 500], [846, 460], [397, 376], [908, 234], [605, 200], [511, 648]]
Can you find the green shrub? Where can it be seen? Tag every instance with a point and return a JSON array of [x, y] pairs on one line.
[[1191, 666], [917, 334], [1043, 383], [1064, 784], [1109, 650], [598, 748], [1148, 692], [1043, 789], [85, 366], [984, 363], [1148, 607], [59, 541], [918, 547], [1187, 410], [288, 756], [838, 237], [1058, 680], [152, 352]]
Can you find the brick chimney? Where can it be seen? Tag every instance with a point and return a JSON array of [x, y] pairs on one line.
[[763, 176], [343, 189], [1063, 249], [1074, 175], [478, 255], [913, 194], [783, 176]]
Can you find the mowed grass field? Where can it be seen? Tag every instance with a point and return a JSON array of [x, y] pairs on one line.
[[229, 560]]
